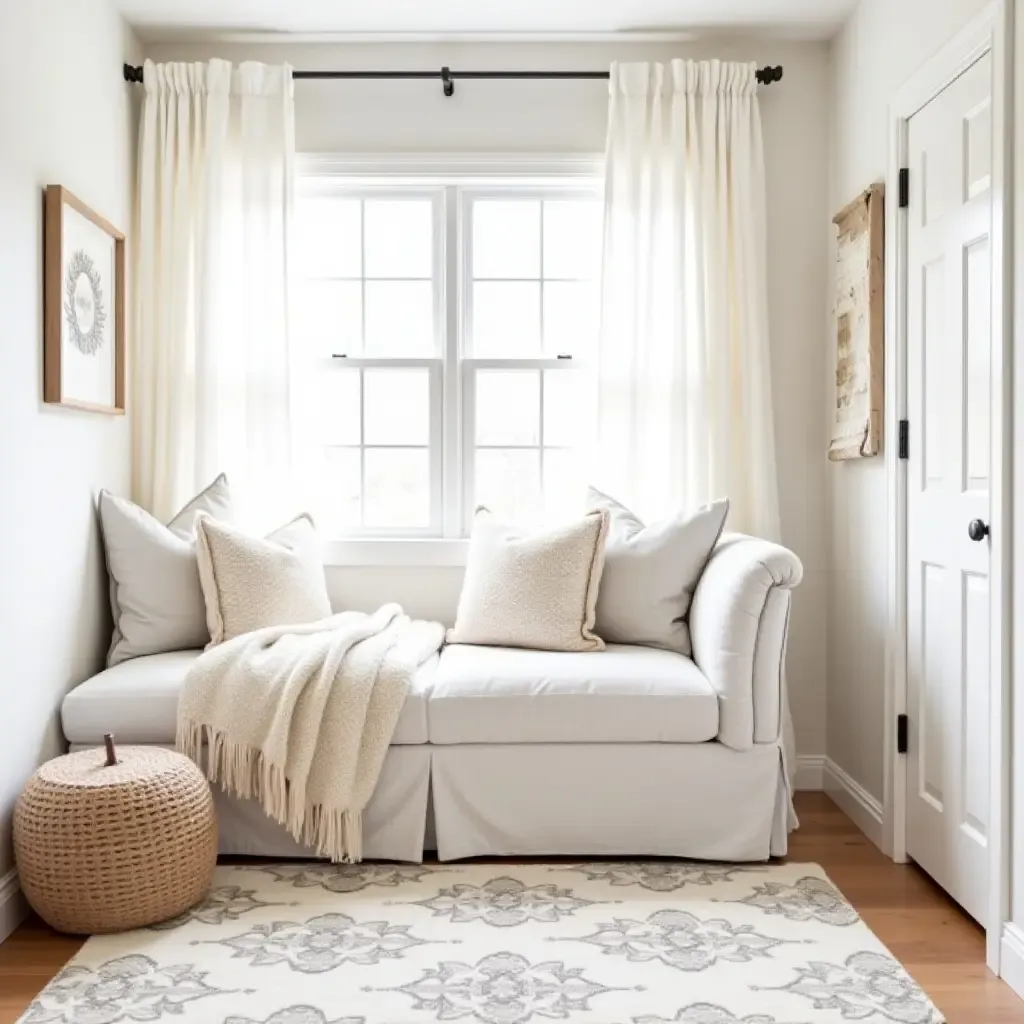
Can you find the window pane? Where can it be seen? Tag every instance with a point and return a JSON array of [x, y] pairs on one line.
[[507, 407], [327, 237], [564, 487], [397, 406], [399, 318], [572, 238], [332, 485], [506, 319], [337, 412], [397, 488], [508, 483], [570, 317], [565, 412], [506, 238], [326, 317], [399, 238]]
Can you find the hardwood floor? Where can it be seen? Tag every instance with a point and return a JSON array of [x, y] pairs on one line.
[[940, 946]]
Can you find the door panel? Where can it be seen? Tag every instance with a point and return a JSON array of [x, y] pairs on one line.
[[949, 396]]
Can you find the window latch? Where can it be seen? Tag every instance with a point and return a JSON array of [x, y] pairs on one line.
[[563, 355]]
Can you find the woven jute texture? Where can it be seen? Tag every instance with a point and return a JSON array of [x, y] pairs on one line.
[[106, 849]]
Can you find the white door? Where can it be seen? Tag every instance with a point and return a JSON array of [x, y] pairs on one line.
[[949, 396]]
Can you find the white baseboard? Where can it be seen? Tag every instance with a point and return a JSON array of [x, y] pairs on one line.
[[854, 801], [810, 771], [1011, 957], [13, 907]]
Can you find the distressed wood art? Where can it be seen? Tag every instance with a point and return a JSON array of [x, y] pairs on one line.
[[860, 327]]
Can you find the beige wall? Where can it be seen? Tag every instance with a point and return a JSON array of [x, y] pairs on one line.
[[65, 118], [570, 117], [881, 46]]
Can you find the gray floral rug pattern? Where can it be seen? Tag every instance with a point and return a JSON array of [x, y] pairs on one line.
[[590, 943]]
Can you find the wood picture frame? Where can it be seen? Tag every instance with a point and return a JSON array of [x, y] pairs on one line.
[[83, 306], [860, 327]]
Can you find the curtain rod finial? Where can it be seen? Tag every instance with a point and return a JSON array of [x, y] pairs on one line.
[[132, 74], [770, 74]]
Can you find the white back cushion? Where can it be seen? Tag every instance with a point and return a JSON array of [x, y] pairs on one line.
[[155, 596], [651, 572]]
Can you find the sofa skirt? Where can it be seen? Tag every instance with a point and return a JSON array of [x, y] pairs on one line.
[[701, 801]]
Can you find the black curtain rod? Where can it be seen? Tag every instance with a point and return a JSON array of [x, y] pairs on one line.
[[447, 76]]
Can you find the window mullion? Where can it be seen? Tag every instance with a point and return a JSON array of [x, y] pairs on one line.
[[451, 293]]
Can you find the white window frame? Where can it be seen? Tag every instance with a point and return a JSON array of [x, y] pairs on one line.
[[459, 179]]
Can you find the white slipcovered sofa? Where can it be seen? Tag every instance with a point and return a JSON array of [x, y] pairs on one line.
[[499, 751]]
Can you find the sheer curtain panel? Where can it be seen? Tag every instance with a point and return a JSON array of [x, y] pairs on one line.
[[211, 369], [684, 407]]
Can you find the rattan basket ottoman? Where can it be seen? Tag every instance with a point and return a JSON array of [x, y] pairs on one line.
[[108, 847]]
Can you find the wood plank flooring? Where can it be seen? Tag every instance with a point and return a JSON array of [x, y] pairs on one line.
[[940, 946]]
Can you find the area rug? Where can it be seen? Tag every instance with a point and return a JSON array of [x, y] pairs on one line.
[[601, 943]]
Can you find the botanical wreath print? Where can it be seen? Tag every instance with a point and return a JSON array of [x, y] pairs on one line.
[[84, 311], [610, 942]]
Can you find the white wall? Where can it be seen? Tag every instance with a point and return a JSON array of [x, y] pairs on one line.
[[65, 118], [881, 46], [570, 117]]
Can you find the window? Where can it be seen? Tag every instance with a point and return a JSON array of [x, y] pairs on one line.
[[440, 328]]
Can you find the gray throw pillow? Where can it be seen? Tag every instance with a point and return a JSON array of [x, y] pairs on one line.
[[651, 572], [155, 595]]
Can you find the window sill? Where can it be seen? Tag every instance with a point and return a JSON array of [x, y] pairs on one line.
[[400, 552]]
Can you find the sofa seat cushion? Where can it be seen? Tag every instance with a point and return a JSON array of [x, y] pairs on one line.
[[138, 702], [623, 694]]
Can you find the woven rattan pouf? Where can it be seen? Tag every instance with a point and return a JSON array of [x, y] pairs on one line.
[[106, 848]]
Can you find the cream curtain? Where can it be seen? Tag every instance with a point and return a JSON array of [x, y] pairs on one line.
[[211, 373], [684, 407]]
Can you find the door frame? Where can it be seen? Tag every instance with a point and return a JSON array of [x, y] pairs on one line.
[[990, 32]]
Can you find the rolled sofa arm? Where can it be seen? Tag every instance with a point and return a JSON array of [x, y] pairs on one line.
[[738, 624]]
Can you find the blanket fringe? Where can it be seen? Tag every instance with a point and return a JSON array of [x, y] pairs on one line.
[[244, 772]]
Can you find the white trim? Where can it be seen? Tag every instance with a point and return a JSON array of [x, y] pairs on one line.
[[1011, 961], [810, 772], [465, 167], [13, 905], [987, 33], [181, 35], [864, 810], [408, 552]]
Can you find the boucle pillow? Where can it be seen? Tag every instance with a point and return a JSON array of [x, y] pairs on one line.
[[155, 597], [252, 582], [651, 572], [535, 590]]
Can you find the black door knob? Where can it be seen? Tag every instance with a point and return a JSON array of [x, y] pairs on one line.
[[977, 530]]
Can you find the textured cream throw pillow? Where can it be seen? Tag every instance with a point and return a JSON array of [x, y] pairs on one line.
[[536, 590], [252, 582]]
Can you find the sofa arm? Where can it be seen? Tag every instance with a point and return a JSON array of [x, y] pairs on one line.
[[738, 624]]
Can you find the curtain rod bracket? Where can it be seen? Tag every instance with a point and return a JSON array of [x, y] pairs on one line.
[[446, 81]]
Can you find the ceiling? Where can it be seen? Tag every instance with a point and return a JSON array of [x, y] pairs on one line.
[[185, 19]]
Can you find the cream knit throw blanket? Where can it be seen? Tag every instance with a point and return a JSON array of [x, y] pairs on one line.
[[300, 717]]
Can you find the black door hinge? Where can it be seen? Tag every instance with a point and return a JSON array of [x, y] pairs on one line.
[[904, 439], [902, 731], [904, 187]]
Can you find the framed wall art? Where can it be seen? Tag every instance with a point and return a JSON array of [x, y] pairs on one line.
[[83, 306], [860, 327]]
